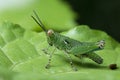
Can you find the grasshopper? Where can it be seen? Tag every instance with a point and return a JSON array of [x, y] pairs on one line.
[[71, 46]]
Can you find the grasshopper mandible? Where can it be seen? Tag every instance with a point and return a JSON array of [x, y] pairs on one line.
[[71, 46]]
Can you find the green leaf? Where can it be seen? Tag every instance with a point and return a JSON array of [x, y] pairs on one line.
[[24, 55], [4, 60], [55, 14], [20, 50], [9, 32], [6, 74]]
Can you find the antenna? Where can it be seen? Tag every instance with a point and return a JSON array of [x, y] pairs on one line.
[[38, 21]]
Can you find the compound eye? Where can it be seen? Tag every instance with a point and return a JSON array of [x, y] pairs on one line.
[[50, 32]]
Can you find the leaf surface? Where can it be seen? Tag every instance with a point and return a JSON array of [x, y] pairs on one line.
[[23, 54]]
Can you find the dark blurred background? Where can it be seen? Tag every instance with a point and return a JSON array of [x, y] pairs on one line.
[[99, 14]]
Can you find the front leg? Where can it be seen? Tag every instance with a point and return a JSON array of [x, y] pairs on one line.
[[49, 60]]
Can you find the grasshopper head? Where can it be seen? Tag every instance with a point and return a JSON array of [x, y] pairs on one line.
[[50, 36], [101, 44], [50, 32]]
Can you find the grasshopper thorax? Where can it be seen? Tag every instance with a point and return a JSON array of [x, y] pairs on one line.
[[50, 32]]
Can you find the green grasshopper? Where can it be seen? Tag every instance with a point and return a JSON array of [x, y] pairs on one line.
[[71, 46]]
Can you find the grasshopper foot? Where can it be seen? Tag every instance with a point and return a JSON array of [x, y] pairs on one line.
[[47, 66]]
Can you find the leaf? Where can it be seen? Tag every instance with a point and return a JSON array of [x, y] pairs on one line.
[[6, 74], [55, 14], [20, 50], [4, 60], [9, 32], [25, 56]]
